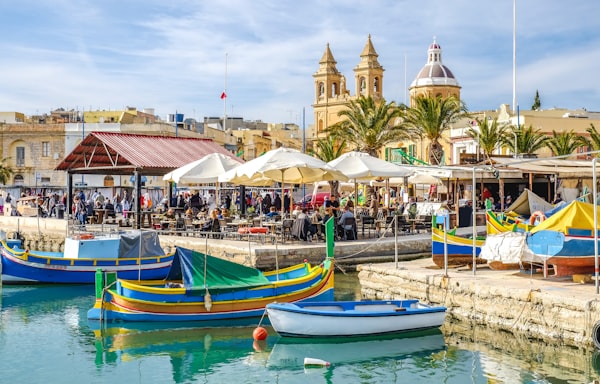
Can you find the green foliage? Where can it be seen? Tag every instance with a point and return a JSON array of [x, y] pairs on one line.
[[5, 171], [565, 143], [489, 136], [594, 140], [430, 118], [528, 140], [369, 126], [536, 101]]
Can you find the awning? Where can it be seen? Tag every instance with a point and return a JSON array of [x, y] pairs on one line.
[[561, 168]]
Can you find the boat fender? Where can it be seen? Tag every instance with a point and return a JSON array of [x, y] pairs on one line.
[[535, 215], [596, 334]]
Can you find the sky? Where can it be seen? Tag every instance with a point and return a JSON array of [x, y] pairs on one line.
[[180, 55]]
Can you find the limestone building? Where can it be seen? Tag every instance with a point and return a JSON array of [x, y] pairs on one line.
[[331, 92]]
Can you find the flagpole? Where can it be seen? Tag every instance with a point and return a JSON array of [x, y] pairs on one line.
[[224, 97]]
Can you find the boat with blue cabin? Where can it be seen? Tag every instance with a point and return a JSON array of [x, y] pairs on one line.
[[132, 255]]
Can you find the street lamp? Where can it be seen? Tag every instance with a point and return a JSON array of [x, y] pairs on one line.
[[515, 148]]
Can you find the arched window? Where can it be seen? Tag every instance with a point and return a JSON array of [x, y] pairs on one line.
[[363, 86], [18, 180], [109, 181], [321, 89], [334, 89], [376, 85]]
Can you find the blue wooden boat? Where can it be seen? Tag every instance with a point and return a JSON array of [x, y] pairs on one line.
[[353, 318], [204, 288], [460, 249], [131, 255]]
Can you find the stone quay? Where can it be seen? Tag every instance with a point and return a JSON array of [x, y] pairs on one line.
[[555, 310]]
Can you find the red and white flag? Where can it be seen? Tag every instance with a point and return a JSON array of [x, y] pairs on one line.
[[223, 95]]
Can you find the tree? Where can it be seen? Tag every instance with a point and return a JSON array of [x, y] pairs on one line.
[[431, 117], [328, 149], [5, 171], [536, 101], [528, 140], [594, 140], [489, 136], [565, 143], [369, 126]]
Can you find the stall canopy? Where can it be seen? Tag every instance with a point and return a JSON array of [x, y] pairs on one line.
[[560, 167], [122, 154]]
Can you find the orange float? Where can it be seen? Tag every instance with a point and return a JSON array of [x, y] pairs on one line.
[[535, 215]]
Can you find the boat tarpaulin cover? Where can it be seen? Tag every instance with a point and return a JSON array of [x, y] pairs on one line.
[[577, 215], [135, 244], [200, 272]]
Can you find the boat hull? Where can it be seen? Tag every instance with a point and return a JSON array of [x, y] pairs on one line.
[[460, 249], [22, 267], [128, 301], [353, 319]]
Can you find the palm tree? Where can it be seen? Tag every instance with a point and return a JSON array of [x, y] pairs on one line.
[[565, 143], [5, 171], [431, 117], [328, 149], [489, 136], [369, 126], [594, 140], [528, 140]]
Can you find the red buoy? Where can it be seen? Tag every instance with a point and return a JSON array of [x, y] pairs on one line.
[[259, 333]]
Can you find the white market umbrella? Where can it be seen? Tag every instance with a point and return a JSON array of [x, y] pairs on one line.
[[283, 165], [362, 166], [203, 171], [423, 178]]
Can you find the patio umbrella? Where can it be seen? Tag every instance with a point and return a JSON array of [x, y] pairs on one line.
[[203, 171], [362, 166], [423, 178], [283, 165]]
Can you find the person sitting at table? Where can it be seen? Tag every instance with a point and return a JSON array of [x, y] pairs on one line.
[[272, 213], [343, 228], [334, 205], [189, 213], [169, 215], [212, 224]]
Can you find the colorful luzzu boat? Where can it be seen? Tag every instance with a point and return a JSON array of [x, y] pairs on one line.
[[206, 288], [459, 249]]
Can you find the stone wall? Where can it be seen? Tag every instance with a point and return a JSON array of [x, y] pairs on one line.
[[548, 310]]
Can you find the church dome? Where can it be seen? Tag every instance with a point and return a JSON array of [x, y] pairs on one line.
[[434, 72]]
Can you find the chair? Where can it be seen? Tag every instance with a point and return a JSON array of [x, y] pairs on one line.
[[286, 229], [423, 222], [368, 222], [189, 226], [350, 234]]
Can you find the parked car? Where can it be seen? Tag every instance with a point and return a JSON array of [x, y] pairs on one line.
[[314, 201]]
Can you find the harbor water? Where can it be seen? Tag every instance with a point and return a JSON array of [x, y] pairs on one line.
[[45, 337]]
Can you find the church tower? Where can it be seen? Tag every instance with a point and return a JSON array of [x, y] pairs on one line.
[[434, 79], [368, 74], [331, 94]]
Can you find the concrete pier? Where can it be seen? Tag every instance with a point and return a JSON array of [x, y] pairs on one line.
[[258, 251], [557, 311]]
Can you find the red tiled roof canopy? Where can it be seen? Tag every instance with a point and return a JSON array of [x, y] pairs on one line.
[[121, 154]]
